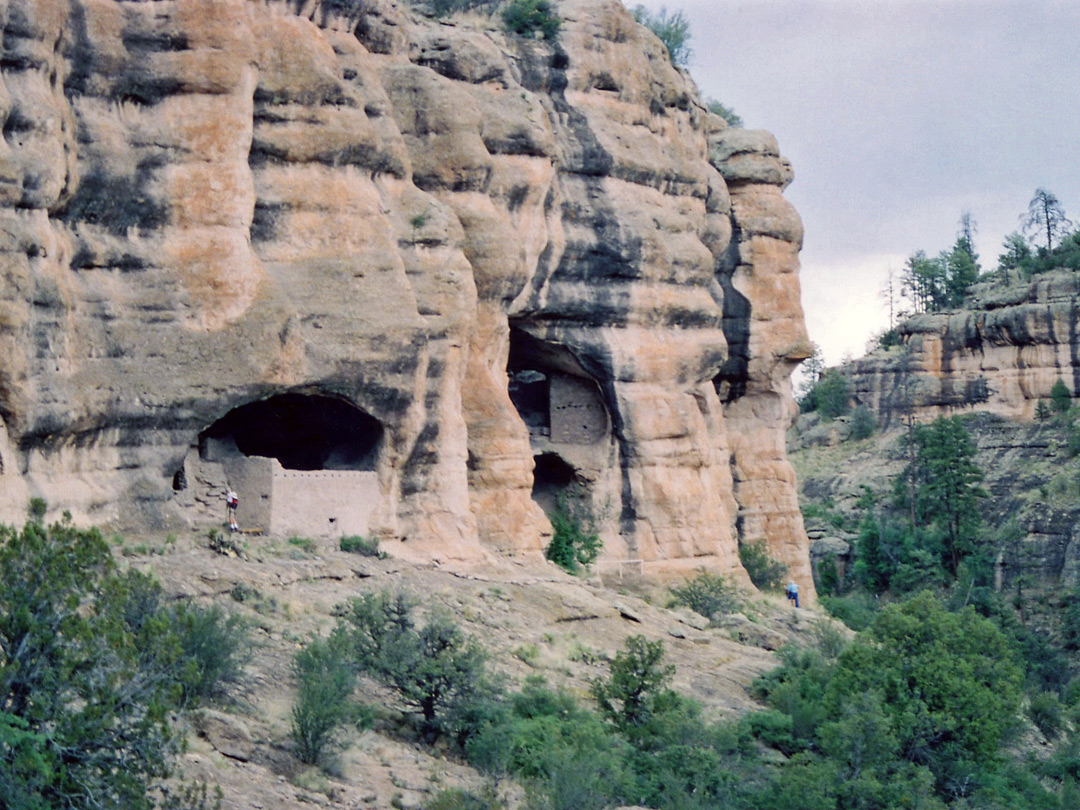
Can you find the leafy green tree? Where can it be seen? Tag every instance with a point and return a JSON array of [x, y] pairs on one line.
[[923, 282], [1042, 411], [1070, 620], [86, 678], [832, 395], [1046, 217], [435, 669], [764, 571], [1060, 397], [1016, 255], [707, 593], [575, 541], [672, 28], [948, 682], [637, 687], [961, 262]]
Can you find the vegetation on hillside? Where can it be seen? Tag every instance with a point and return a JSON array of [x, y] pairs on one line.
[[93, 664]]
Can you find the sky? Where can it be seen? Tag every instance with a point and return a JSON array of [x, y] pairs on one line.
[[898, 116]]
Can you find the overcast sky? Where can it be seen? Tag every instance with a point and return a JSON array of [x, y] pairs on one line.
[[898, 116]]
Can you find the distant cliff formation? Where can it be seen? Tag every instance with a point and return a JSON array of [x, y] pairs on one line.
[[1002, 353], [294, 244]]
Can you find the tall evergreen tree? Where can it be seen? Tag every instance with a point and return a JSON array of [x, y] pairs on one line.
[[947, 491]]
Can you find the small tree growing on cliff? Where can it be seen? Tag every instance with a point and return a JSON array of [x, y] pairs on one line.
[[673, 30], [832, 394], [1060, 398]]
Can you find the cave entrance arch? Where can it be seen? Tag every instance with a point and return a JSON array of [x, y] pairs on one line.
[[301, 464], [555, 397], [553, 477], [567, 417]]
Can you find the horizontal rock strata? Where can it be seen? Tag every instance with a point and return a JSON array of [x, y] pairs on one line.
[[492, 273], [1002, 354]]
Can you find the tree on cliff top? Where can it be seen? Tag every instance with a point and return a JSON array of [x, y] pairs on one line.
[[673, 30], [1046, 217]]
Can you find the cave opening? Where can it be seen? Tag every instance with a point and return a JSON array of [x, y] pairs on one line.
[[556, 398], [302, 431], [552, 477]]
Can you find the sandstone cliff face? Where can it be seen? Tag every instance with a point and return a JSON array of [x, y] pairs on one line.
[[222, 222], [1002, 354]]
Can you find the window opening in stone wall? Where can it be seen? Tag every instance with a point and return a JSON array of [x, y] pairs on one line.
[[301, 431]]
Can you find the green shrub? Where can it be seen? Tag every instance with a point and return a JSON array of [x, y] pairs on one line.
[[773, 728], [364, 546], [435, 670], [707, 594], [530, 18], [305, 544], [325, 682], [1046, 712], [37, 509], [1070, 620], [1042, 412], [574, 541], [190, 796], [637, 686], [718, 108], [863, 423], [831, 395], [765, 572], [87, 674], [216, 647], [672, 29], [856, 611]]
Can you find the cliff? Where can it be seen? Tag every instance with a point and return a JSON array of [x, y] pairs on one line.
[[1002, 353], [414, 277]]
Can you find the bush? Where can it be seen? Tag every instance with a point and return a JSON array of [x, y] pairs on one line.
[[87, 674], [672, 29], [435, 670], [364, 546], [863, 423], [574, 541], [855, 611], [325, 682], [1070, 620], [706, 594], [530, 18], [831, 395], [1046, 712], [765, 572], [216, 647], [637, 686], [718, 108], [458, 799]]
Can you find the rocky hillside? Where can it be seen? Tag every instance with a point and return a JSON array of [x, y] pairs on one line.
[[532, 618], [390, 274]]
